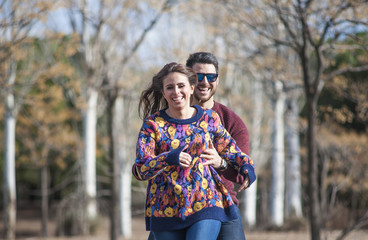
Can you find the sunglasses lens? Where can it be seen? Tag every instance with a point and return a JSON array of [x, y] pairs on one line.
[[211, 77], [200, 77]]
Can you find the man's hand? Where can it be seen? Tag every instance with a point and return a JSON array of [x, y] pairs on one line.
[[245, 184], [211, 156]]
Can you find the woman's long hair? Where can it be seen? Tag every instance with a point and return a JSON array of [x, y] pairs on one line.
[[152, 99]]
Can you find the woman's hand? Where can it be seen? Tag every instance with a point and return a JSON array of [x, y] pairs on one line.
[[184, 158], [211, 156]]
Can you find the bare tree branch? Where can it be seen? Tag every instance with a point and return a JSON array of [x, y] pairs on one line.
[[361, 222], [166, 7], [286, 24], [345, 70]]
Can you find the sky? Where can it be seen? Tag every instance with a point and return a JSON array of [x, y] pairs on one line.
[[160, 45]]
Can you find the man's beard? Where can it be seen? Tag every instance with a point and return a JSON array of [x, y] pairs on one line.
[[203, 100]]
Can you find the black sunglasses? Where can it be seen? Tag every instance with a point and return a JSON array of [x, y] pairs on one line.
[[211, 77]]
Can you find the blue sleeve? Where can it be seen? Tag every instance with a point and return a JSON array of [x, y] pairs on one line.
[[147, 164]]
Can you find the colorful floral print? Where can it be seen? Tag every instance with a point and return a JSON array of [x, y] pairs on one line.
[[184, 195]]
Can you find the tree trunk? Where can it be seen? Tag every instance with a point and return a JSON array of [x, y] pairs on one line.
[[278, 159], [250, 195], [10, 198], [313, 187], [89, 167], [114, 170], [45, 194], [293, 199], [125, 169], [125, 200]]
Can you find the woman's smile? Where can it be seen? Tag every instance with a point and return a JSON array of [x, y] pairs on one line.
[[177, 92]]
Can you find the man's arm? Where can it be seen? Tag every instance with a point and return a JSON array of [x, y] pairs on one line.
[[213, 159], [241, 137]]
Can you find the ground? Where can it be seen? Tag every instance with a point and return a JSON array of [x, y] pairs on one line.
[[29, 228]]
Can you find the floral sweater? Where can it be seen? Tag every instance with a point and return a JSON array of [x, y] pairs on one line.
[[177, 197]]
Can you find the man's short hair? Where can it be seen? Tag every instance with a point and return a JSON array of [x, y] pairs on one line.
[[202, 57]]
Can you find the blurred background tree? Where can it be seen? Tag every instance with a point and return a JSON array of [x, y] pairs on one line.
[[93, 58], [17, 19]]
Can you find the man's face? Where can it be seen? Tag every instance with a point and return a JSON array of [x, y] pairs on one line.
[[204, 89]]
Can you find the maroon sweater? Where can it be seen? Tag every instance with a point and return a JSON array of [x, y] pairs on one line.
[[237, 129]]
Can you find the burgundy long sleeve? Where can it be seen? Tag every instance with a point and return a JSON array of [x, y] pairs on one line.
[[237, 129]]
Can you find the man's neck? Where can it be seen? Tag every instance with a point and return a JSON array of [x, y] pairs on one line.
[[207, 104]]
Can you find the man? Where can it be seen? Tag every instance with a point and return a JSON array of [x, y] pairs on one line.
[[206, 66]]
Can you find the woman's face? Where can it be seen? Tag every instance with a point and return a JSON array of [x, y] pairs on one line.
[[177, 91]]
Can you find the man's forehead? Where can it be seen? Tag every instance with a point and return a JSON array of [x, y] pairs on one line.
[[208, 67]]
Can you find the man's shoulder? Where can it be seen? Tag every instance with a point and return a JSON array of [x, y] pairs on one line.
[[225, 111], [221, 107], [234, 125]]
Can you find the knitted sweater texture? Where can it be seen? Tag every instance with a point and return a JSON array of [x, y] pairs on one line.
[[177, 197]]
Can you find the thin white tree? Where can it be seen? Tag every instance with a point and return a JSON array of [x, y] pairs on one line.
[[278, 157], [293, 199], [17, 20], [250, 195]]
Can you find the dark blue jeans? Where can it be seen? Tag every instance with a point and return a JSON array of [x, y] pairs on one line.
[[207, 229], [232, 230]]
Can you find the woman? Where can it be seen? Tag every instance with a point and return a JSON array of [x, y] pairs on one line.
[[185, 199]]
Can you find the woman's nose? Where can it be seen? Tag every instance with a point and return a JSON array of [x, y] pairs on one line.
[[177, 90]]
